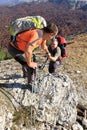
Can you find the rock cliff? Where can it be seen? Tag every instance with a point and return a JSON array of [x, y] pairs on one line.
[[54, 107]]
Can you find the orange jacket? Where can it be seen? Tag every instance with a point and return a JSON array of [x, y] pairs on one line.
[[29, 37]]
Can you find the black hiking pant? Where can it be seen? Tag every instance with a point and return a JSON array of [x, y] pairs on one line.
[[53, 66], [19, 57]]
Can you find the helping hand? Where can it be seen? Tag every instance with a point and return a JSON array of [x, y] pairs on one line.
[[48, 55], [33, 65]]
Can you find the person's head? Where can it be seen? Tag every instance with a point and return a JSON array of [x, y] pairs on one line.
[[50, 30], [54, 43]]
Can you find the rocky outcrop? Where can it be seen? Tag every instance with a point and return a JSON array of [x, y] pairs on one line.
[[52, 107]]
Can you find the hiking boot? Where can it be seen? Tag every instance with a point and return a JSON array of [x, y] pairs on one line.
[[30, 87], [25, 73], [31, 75]]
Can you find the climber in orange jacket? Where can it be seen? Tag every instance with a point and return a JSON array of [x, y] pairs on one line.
[[27, 41]]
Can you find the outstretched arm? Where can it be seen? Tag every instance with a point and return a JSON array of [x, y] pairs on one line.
[[28, 54], [45, 47], [57, 55]]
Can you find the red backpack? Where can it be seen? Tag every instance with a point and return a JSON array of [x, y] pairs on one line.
[[62, 44]]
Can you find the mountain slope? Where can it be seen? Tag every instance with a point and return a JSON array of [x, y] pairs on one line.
[[72, 4], [68, 21], [14, 94]]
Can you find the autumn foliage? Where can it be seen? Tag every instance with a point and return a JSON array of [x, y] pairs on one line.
[[68, 21]]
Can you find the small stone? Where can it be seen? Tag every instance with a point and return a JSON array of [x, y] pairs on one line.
[[77, 126], [78, 72], [84, 122]]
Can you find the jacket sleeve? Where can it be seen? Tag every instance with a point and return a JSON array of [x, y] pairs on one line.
[[58, 53]]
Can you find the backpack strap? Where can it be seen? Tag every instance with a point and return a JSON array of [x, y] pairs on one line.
[[39, 36]]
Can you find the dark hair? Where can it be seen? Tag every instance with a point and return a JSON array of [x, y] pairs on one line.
[[51, 28], [54, 39]]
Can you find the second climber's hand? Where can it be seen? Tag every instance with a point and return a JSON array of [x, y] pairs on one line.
[[33, 65], [48, 55]]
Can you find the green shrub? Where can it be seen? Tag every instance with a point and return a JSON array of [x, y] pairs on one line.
[[4, 55]]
